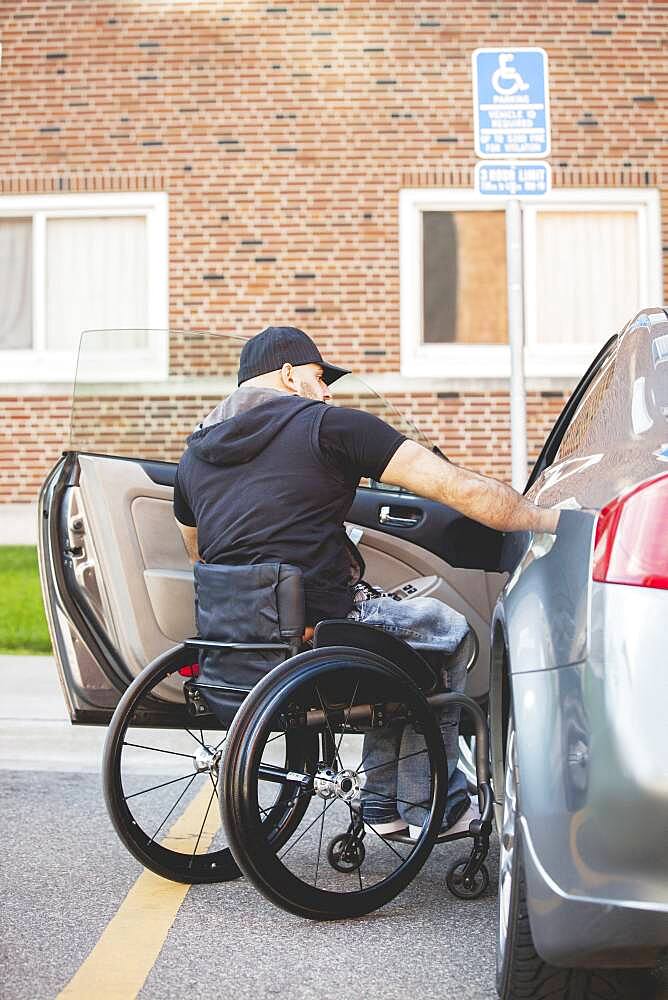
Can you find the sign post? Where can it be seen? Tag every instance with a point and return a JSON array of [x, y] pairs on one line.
[[518, 410], [512, 122]]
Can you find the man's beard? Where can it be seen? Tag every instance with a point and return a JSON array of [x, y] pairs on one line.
[[307, 393]]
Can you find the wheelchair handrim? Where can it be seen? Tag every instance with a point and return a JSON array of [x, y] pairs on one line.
[[245, 743], [213, 866]]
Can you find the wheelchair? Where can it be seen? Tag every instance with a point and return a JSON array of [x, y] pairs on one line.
[[274, 734]]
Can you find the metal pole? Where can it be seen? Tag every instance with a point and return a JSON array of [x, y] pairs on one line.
[[518, 420]]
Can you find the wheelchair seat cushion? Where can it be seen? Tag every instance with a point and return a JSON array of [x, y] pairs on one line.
[[346, 632]]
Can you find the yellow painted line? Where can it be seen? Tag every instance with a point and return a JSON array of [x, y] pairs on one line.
[[126, 952]]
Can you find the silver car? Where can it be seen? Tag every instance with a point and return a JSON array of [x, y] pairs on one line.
[[579, 692], [567, 647]]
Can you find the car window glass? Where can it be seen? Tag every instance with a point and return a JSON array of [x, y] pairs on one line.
[[586, 413], [562, 424], [116, 414], [354, 392]]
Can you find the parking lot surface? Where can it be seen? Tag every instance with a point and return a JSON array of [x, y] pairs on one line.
[[65, 875], [80, 917]]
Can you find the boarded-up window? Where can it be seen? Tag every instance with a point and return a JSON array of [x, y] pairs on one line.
[[464, 278]]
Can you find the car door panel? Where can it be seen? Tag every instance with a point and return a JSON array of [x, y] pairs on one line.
[[172, 598], [471, 592], [91, 673], [456, 539], [109, 491]]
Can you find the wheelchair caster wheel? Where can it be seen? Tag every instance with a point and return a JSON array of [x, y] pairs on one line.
[[345, 853], [466, 887]]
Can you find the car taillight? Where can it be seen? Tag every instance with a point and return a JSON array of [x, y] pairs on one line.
[[192, 670], [632, 537]]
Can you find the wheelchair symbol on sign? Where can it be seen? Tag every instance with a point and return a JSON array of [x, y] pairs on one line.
[[506, 80]]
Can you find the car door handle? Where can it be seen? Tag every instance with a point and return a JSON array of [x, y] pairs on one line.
[[407, 519]]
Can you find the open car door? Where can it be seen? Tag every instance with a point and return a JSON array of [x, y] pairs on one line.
[[116, 579]]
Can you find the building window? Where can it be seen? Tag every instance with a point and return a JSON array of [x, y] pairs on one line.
[[72, 263], [464, 278], [592, 260]]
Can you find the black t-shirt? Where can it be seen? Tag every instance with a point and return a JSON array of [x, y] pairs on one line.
[[275, 483], [356, 443]]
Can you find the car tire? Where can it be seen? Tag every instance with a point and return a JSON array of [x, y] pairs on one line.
[[521, 973]]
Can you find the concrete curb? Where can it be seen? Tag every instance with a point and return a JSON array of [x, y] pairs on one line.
[[35, 731], [18, 524]]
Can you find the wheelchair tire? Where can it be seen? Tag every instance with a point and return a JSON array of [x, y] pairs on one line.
[[143, 820], [466, 888], [345, 857], [299, 685]]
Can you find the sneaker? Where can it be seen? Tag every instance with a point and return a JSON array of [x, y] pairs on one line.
[[457, 820], [392, 826]]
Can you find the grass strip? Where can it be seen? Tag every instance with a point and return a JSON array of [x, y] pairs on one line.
[[23, 626]]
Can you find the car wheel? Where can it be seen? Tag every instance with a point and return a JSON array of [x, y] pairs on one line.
[[521, 972]]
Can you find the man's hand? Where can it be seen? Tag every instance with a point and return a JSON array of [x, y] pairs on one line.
[[189, 535], [479, 497]]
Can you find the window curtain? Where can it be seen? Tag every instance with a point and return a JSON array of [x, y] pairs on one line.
[[587, 280], [16, 284], [96, 279]]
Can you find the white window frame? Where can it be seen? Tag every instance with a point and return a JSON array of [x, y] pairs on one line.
[[420, 360], [39, 364]]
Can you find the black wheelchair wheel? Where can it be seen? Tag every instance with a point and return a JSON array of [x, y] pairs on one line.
[[161, 783], [346, 853], [332, 691], [466, 887]]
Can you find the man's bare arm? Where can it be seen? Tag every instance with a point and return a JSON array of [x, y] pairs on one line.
[[189, 535], [479, 497]]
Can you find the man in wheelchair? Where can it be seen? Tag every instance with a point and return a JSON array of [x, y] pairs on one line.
[[268, 480]]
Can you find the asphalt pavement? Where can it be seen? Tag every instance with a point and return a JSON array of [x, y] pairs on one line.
[[65, 875], [79, 917]]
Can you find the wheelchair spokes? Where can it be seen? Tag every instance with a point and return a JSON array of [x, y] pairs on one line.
[[332, 863], [333, 848], [416, 753], [170, 776], [162, 785]]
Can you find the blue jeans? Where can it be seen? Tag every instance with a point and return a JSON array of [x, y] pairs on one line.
[[401, 788]]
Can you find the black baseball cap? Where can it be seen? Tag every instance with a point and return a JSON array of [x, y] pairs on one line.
[[270, 350]]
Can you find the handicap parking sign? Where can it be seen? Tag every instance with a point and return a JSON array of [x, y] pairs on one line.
[[511, 103]]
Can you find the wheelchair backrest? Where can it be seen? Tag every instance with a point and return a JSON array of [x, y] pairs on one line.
[[256, 603]]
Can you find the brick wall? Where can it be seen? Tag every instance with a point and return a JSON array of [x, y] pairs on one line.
[[283, 134], [33, 432], [471, 428]]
